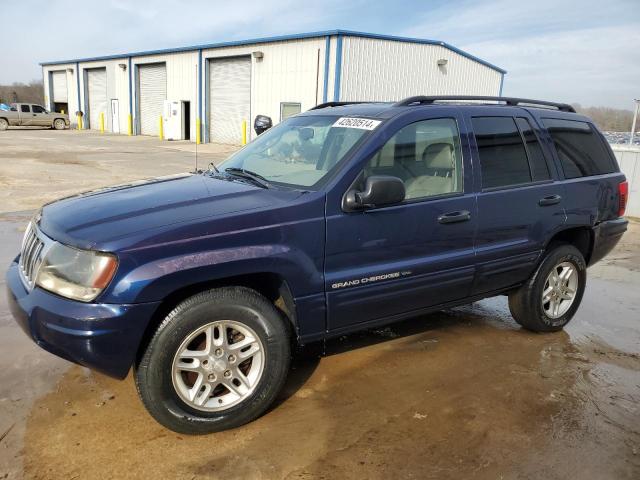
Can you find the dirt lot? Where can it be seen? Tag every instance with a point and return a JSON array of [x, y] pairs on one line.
[[463, 393]]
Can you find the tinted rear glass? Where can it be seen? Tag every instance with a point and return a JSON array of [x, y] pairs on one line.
[[539, 167], [25, 108], [503, 159], [581, 150]]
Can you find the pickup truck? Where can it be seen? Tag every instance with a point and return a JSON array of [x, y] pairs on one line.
[[32, 115], [341, 218]]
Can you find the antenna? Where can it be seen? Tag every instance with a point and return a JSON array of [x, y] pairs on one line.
[[198, 133]]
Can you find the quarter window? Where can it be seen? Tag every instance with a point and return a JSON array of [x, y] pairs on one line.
[[539, 167], [581, 150], [503, 158], [425, 155]]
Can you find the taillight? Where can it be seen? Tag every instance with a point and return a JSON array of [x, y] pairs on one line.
[[623, 196]]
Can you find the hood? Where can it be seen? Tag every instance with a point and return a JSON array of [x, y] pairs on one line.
[[92, 219]]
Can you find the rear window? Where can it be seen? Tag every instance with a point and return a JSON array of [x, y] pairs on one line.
[[503, 158], [25, 108], [581, 150]]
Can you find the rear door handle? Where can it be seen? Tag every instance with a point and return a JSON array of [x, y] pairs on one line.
[[454, 217], [550, 200]]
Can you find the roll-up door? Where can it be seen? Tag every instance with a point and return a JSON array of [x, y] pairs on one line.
[[152, 90], [229, 99], [59, 86], [97, 92]]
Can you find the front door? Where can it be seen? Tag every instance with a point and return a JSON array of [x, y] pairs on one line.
[[519, 202], [394, 260], [115, 116]]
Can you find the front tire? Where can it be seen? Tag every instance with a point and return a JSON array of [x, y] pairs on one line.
[[551, 297], [217, 361]]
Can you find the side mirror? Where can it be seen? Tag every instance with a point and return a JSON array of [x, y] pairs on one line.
[[379, 190], [262, 123]]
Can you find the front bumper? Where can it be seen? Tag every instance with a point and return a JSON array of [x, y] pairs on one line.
[[103, 337]]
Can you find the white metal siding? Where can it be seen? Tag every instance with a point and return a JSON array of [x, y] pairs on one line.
[[386, 70], [59, 87], [230, 99], [97, 91], [153, 93]]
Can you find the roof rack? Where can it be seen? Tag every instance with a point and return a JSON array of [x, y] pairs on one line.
[[334, 104], [428, 100]]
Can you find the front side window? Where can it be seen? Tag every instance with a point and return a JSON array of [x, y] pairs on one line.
[[425, 155], [581, 150], [300, 152], [25, 108], [38, 109], [503, 158]]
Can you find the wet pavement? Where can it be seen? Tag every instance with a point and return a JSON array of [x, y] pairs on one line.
[[463, 393]]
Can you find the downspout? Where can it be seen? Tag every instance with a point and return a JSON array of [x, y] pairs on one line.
[[78, 116], [327, 51], [199, 87], [336, 85], [501, 84], [130, 116]]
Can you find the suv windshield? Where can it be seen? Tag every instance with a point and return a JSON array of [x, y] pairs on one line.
[[301, 151]]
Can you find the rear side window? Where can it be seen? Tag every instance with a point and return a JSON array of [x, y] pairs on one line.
[[539, 167], [581, 150], [25, 108], [503, 158]]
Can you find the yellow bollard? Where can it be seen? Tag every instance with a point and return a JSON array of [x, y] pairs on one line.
[[130, 125], [101, 122], [244, 132], [79, 122], [198, 140], [161, 129], [62, 111]]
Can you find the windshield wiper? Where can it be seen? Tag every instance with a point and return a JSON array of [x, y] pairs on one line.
[[253, 176]]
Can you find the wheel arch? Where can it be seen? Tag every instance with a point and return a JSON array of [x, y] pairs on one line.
[[580, 237], [272, 285]]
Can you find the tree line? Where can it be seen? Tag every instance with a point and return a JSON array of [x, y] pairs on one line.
[[31, 92]]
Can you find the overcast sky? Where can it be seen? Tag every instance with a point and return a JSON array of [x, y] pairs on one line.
[[585, 51]]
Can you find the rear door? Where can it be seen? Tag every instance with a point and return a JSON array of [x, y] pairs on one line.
[[520, 200], [26, 117], [395, 260]]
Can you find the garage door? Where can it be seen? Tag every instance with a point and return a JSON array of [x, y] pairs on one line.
[[152, 88], [59, 86], [229, 99], [97, 92]]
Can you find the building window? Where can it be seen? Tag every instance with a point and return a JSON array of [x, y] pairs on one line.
[[288, 109]]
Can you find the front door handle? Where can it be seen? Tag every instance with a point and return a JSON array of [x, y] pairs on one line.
[[454, 217], [549, 200]]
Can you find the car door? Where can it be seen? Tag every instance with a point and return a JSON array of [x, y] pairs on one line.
[[396, 260], [26, 116], [520, 202], [40, 116]]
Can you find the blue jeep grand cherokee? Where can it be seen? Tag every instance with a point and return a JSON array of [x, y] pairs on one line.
[[340, 218]]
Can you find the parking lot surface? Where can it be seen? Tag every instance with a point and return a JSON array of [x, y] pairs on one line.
[[463, 393]]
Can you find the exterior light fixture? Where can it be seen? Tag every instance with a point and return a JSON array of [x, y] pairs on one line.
[[258, 56], [442, 62], [123, 66], [70, 70]]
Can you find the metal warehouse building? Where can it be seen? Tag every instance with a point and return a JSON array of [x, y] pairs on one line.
[[217, 90]]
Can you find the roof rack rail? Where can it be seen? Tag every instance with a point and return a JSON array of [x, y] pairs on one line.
[[334, 104], [428, 100]]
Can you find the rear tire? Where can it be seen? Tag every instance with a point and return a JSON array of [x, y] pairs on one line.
[[552, 295], [3, 124], [197, 374], [59, 124]]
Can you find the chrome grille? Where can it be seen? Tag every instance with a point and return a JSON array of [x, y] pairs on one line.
[[31, 255]]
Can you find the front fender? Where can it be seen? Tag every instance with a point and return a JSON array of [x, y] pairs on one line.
[[156, 279]]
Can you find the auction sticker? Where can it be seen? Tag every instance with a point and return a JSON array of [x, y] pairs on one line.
[[361, 123]]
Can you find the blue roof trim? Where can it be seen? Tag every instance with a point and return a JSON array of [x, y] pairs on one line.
[[281, 38]]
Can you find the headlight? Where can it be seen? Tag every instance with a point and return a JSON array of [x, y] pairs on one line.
[[76, 274]]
